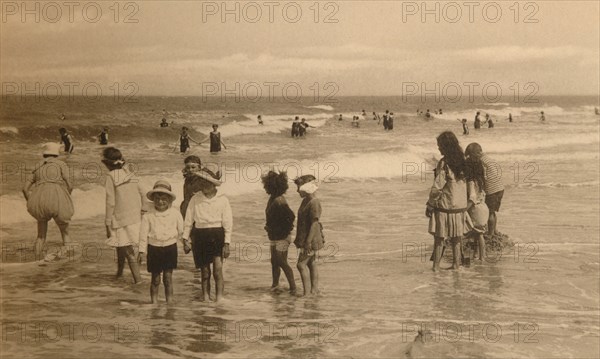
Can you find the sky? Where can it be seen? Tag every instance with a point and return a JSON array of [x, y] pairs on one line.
[[372, 48]]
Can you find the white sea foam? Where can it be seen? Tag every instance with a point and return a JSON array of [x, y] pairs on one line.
[[322, 107], [9, 129]]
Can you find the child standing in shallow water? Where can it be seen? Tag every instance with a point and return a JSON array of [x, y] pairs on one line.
[[280, 222], [309, 235], [208, 222], [123, 210], [447, 204], [159, 232]]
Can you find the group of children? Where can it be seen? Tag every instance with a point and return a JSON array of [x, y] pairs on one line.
[[203, 224]]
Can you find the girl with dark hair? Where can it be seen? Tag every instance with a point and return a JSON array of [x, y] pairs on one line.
[[309, 233], [280, 222], [124, 198], [447, 204], [476, 207]]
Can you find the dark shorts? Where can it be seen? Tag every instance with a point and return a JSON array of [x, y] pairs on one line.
[[161, 258], [494, 200], [207, 243]]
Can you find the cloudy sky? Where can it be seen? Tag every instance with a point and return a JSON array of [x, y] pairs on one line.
[[365, 47]]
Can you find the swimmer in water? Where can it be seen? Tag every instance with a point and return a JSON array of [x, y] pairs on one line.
[[260, 121], [67, 140]]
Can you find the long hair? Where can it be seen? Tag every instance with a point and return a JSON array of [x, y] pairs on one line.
[[474, 171], [453, 153], [275, 184]]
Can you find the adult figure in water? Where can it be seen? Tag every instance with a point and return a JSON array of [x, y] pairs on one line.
[[215, 140]]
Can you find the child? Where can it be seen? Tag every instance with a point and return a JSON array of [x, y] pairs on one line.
[[447, 204], [465, 126], [191, 183], [260, 121], [280, 222], [309, 235], [476, 207], [208, 222], [159, 232], [66, 139], [215, 140], [123, 210]]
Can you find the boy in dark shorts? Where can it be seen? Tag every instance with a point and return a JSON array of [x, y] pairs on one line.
[[208, 224], [159, 232]]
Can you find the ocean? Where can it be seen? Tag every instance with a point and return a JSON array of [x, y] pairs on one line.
[[537, 299]]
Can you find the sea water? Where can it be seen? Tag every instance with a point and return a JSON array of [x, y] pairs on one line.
[[537, 299]]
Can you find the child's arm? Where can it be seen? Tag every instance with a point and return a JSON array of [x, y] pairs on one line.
[[144, 231], [189, 219], [110, 203], [64, 171], [227, 221], [314, 234]]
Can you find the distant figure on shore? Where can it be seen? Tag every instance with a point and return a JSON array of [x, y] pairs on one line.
[[510, 119], [215, 140], [440, 111], [48, 196], [164, 123], [428, 114], [340, 118], [66, 139], [465, 126], [477, 123], [364, 114], [279, 226], [296, 127], [260, 121], [493, 186], [447, 204], [184, 140], [103, 136], [542, 116], [355, 121]]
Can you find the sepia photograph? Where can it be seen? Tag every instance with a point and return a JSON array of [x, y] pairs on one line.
[[300, 179]]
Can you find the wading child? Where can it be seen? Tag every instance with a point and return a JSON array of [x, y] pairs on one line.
[[124, 199], [476, 207], [447, 204], [309, 235], [280, 222], [159, 232], [66, 139], [208, 222]]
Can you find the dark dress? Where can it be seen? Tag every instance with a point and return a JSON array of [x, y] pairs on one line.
[[103, 138], [280, 218], [184, 143], [66, 139], [215, 141]]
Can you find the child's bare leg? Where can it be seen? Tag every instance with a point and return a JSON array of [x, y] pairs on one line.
[[206, 282], [304, 274], [456, 250], [437, 252], [42, 230], [481, 243], [120, 261], [218, 274], [168, 282], [133, 264], [275, 269], [314, 274], [154, 287], [287, 270]]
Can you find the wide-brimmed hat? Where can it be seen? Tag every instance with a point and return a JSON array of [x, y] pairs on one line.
[[51, 148], [209, 176], [161, 186]]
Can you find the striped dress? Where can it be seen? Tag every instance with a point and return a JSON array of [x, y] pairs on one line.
[[493, 175]]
